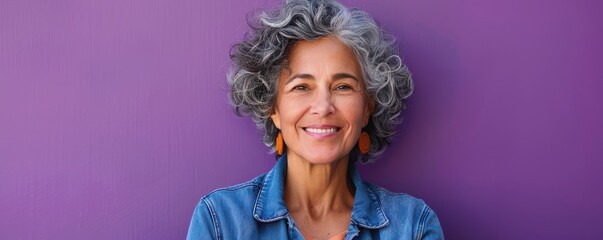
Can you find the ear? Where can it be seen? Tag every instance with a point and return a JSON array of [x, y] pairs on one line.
[[369, 107], [276, 118]]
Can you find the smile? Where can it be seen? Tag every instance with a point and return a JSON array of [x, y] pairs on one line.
[[321, 130]]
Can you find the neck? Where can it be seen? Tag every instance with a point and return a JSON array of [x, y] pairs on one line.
[[318, 189]]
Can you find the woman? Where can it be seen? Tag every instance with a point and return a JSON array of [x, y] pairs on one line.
[[327, 87]]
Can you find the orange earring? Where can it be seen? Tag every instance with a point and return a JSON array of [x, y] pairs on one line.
[[364, 143], [280, 144]]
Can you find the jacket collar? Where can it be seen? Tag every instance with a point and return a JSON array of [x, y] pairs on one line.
[[270, 206]]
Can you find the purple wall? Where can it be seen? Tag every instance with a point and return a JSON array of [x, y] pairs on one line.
[[114, 118]]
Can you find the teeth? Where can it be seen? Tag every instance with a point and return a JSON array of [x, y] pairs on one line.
[[321, 130]]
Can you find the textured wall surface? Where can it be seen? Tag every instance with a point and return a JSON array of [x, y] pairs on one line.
[[114, 118]]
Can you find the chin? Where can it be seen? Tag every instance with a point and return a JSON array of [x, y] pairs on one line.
[[324, 158]]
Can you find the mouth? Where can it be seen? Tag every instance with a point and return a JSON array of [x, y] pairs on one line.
[[321, 130]]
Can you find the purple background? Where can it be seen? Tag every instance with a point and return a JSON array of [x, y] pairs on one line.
[[114, 118]]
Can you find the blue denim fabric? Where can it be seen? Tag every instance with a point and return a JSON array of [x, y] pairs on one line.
[[256, 210]]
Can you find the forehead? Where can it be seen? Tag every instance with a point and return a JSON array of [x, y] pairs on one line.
[[324, 52]]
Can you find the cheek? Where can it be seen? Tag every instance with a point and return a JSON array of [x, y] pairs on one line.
[[290, 111], [354, 111]]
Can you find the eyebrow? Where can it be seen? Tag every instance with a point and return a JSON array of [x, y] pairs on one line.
[[336, 76]]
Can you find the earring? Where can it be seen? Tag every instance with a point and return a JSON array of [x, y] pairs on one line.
[[364, 143], [280, 144]]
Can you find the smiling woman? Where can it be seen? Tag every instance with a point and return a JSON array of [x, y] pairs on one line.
[[327, 87], [321, 103]]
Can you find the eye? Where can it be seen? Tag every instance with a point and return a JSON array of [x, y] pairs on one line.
[[344, 87], [300, 88]]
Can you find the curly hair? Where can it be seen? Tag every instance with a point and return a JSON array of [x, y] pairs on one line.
[[258, 60]]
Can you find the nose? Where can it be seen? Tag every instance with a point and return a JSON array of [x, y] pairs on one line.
[[322, 103]]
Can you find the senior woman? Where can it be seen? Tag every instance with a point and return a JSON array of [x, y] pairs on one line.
[[327, 87]]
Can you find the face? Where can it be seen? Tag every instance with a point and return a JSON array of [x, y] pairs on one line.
[[321, 105]]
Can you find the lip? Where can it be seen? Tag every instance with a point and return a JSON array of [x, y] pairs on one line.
[[321, 131]]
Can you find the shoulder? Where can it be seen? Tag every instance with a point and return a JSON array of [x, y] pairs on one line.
[[388, 198], [252, 184], [236, 195], [223, 206], [405, 211]]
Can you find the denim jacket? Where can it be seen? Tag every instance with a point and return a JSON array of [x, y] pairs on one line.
[[256, 210]]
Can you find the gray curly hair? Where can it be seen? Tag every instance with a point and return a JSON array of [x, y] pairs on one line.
[[259, 59]]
